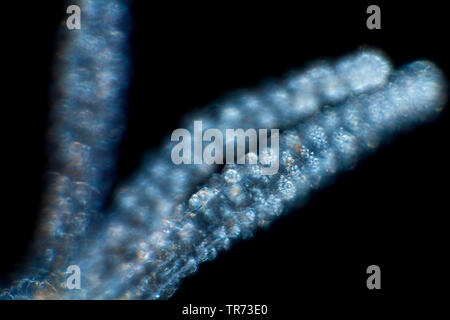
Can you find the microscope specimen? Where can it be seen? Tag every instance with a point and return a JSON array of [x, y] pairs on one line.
[[166, 219]]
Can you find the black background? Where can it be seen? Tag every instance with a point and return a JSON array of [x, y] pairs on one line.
[[390, 211]]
